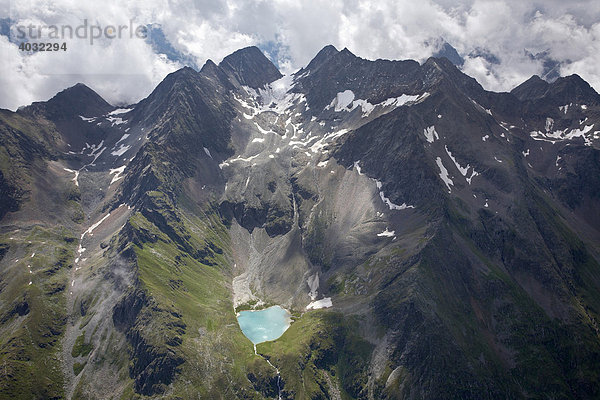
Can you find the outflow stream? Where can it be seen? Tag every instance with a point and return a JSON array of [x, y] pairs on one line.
[[265, 325]]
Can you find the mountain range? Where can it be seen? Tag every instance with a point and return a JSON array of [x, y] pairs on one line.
[[456, 232]]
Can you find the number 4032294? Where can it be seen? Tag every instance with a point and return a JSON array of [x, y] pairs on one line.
[[25, 46]]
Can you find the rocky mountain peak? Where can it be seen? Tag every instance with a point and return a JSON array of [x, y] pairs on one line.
[[80, 92], [347, 53], [565, 90], [181, 75], [449, 52], [209, 66], [176, 86], [322, 56], [75, 100], [533, 88], [379, 190], [178, 80], [441, 71], [572, 88], [343, 57], [214, 73], [250, 67]]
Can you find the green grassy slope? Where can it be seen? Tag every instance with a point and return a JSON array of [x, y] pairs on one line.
[[184, 337], [319, 354], [33, 316]]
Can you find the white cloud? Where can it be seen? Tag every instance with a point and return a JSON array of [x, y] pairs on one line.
[[206, 40], [121, 70], [126, 70]]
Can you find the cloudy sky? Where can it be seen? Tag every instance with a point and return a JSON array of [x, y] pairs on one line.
[[502, 42]]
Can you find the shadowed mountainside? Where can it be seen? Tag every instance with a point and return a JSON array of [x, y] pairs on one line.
[[455, 231]]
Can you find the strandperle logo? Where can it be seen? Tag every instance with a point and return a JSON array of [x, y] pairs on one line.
[[86, 31]]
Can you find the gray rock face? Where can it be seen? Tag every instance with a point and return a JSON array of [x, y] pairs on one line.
[[449, 52], [250, 67], [455, 230], [427, 153], [73, 101]]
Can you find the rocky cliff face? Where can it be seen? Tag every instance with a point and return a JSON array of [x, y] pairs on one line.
[[455, 231]]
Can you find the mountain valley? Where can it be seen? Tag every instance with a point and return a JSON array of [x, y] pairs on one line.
[[430, 239]]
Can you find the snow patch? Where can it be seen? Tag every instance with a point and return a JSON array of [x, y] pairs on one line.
[[341, 101], [388, 202], [93, 148], [120, 111], [357, 166], [367, 108], [116, 120], [323, 303], [444, 174], [565, 134], [344, 101], [75, 179], [404, 99], [565, 108], [117, 172], [261, 130], [313, 284], [121, 150], [125, 136], [239, 158], [90, 230], [463, 170], [481, 108], [430, 134], [386, 233], [274, 97]]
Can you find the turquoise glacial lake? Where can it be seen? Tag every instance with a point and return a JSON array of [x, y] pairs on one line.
[[264, 325]]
